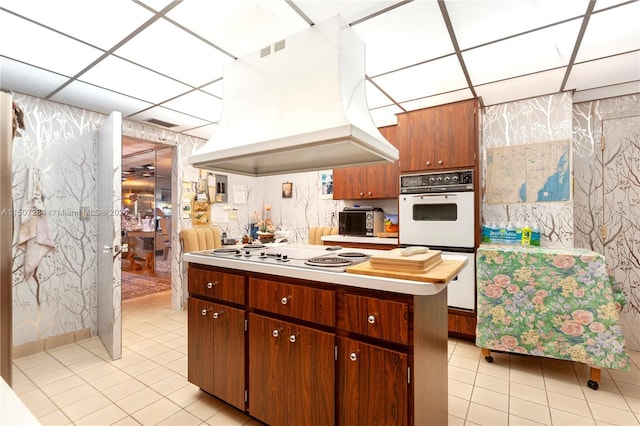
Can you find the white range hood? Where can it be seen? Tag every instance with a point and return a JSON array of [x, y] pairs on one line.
[[297, 105]]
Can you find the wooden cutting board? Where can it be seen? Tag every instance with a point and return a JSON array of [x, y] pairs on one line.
[[443, 272], [394, 260], [387, 235]]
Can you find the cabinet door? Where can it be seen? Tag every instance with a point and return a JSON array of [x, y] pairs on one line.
[[382, 319], [457, 135], [228, 354], [291, 373], [373, 385], [216, 285], [383, 181], [216, 350], [200, 344], [416, 133], [349, 183]]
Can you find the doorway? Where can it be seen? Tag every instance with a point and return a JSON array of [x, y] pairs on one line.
[[146, 218]]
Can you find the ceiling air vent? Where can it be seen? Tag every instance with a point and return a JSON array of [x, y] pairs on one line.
[[161, 123]]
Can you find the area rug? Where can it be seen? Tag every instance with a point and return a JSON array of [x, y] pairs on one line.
[[136, 285]]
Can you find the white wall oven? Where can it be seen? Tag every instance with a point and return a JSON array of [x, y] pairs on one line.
[[437, 210]]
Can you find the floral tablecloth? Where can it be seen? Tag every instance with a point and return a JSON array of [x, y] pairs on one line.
[[558, 303]]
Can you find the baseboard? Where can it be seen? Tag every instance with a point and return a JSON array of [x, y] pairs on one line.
[[49, 343]]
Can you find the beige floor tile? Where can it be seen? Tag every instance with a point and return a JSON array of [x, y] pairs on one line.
[[141, 367], [632, 376], [128, 359], [138, 400], [560, 417], [205, 407], [179, 366], [156, 412], [181, 418], [228, 417], [629, 389], [491, 399], [605, 397], [187, 395], [169, 384], [521, 421], [483, 415], [142, 345], [153, 351], [106, 416], [464, 362], [77, 356], [72, 395], [40, 370], [573, 405], [530, 393], [153, 376], [634, 404], [33, 360], [98, 372], [467, 351], [32, 395], [462, 374], [41, 407], [23, 386], [52, 377], [497, 369], [493, 383], [455, 421], [124, 389], [108, 380], [167, 357], [458, 407], [563, 387], [529, 410], [612, 415], [526, 377], [86, 406], [55, 418], [460, 389], [62, 385]]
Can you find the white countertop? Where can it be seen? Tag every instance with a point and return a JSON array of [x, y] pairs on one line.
[[12, 409], [416, 288], [365, 240]]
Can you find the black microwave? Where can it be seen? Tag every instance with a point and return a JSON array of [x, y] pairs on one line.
[[360, 222]]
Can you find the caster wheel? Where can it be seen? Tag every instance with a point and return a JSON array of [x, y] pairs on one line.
[[490, 360], [593, 385]]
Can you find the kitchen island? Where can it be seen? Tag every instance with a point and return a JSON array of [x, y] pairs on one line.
[[295, 345]]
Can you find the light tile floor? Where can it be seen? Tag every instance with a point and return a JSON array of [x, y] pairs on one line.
[[79, 384]]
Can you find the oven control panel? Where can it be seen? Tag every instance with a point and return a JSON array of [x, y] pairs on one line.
[[451, 181]]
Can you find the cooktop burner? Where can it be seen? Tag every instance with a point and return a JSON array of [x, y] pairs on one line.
[[328, 261], [352, 254], [253, 246], [224, 250]]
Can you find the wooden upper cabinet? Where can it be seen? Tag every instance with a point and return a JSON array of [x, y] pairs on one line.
[[369, 182], [440, 137]]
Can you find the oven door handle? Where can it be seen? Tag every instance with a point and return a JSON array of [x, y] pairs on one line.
[[421, 196]]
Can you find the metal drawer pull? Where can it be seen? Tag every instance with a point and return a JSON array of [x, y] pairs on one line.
[[284, 300], [292, 338], [204, 312], [275, 333], [353, 356], [371, 319], [216, 315], [210, 285]]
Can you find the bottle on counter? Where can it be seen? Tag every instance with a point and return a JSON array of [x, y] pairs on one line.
[[535, 235], [526, 235]]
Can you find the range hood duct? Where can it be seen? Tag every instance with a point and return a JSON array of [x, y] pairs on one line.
[[298, 105]]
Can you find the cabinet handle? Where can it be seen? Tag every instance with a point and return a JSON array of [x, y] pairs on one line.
[[284, 300], [428, 163], [371, 319], [362, 194], [353, 356], [369, 193], [216, 315], [204, 312], [275, 333], [210, 285], [440, 162], [292, 338]]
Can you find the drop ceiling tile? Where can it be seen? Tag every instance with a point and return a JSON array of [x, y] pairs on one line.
[[26, 79], [385, 116], [533, 52], [445, 98], [156, 4], [375, 98], [435, 77], [198, 104], [169, 50], [94, 98], [99, 23], [239, 27], [537, 84], [607, 92], [182, 121], [479, 22], [605, 72], [121, 76], [611, 31], [204, 132], [215, 88], [603, 4], [404, 36], [37, 46], [351, 11]]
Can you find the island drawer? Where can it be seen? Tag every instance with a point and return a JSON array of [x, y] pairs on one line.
[[378, 318], [297, 301], [217, 285]]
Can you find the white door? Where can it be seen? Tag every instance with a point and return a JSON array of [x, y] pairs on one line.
[[109, 234]]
